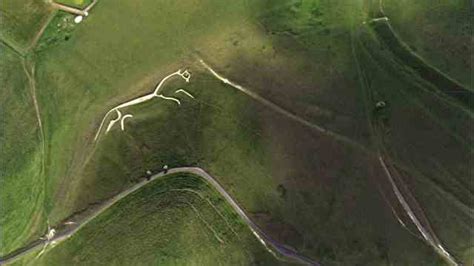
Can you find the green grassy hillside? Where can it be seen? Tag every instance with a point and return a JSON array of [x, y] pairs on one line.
[[178, 219], [321, 191], [21, 178], [439, 31]]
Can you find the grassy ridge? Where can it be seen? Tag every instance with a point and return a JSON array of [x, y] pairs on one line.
[[269, 164], [177, 219], [405, 54]]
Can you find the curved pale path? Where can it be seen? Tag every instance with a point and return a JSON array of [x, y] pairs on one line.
[[73, 227]]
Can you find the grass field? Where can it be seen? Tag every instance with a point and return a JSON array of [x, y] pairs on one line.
[[406, 131], [209, 133], [303, 187], [21, 178], [95, 86], [438, 31], [444, 83], [21, 21], [178, 219]]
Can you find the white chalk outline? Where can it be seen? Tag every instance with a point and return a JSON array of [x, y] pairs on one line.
[[122, 125], [170, 99], [185, 92], [184, 74]]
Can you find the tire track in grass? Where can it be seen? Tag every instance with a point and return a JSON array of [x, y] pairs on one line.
[[32, 83], [420, 221]]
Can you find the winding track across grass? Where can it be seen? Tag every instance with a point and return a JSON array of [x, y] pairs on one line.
[[414, 212], [270, 244], [32, 83], [428, 235], [72, 227]]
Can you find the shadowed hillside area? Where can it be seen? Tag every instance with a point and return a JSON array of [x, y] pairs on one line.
[[331, 132]]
